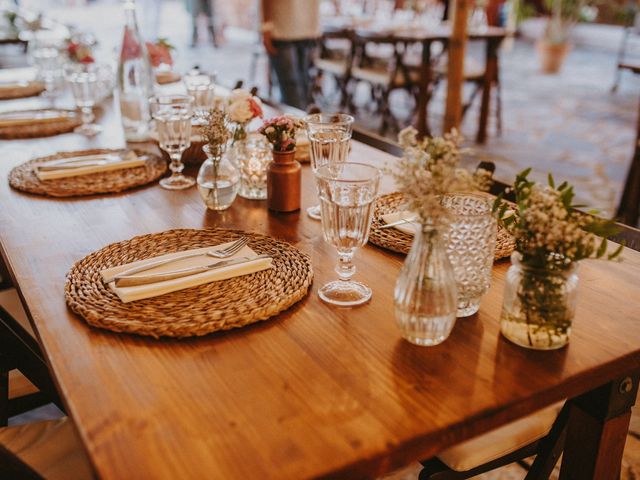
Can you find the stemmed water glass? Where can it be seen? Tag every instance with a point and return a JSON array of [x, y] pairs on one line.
[[84, 81], [201, 87], [329, 138], [347, 198], [47, 58], [172, 117]]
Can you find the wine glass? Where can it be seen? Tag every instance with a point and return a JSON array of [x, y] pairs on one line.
[[347, 198], [84, 81], [172, 116], [329, 138], [46, 56]]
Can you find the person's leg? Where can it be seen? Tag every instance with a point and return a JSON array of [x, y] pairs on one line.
[[305, 53], [287, 67]]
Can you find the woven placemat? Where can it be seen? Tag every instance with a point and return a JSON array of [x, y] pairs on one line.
[[71, 121], [29, 89], [196, 311], [397, 241], [23, 177]]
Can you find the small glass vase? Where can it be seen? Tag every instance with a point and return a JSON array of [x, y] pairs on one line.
[[538, 306], [251, 154], [218, 179], [425, 293], [471, 242]]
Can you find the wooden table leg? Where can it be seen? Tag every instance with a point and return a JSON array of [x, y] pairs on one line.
[[424, 90], [490, 76], [597, 431]]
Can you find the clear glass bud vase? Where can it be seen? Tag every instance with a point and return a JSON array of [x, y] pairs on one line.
[[218, 179], [425, 294], [539, 305]]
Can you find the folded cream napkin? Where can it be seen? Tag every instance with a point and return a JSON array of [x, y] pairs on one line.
[[139, 292], [93, 164], [17, 119], [408, 227]]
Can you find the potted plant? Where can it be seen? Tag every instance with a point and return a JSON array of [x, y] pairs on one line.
[[554, 45]]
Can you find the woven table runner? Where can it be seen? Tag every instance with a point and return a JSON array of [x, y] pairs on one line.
[[23, 177], [397, 241], [196, 311]]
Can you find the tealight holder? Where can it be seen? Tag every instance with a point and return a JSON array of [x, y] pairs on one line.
[[252, 155]]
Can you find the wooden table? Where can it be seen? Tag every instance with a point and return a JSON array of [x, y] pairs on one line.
[[492, 36], [317, 391]]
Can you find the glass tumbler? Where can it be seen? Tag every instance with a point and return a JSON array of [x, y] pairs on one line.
[[329, 139], [347, 197], [172, 116], [470, 243]]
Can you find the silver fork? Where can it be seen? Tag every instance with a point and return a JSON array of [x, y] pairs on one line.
[[219, 253]]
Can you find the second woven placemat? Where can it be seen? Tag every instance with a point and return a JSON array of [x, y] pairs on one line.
[[397, 241], [70, 121], [23, 177], [28, 89], [196, 311]]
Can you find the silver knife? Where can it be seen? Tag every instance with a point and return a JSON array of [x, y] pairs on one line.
[[134, 280]]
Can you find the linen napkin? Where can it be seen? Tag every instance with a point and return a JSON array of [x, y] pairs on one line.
[[409, 227], [130, 160], [18, 119], [140, 292]]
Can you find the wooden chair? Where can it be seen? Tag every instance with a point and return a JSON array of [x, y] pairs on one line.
[[628, 211], [37, 450], [383, 74], [333, 60], [631, 30], [474, 75]]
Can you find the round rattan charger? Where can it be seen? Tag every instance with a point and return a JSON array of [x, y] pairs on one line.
[[397, 241], [23, 177], [197, 311], [29, 89], [45, 129]]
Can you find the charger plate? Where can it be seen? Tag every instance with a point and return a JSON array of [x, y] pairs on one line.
[[67, 124], [397, 241], [196, 311], [23, 177], [28, 89]]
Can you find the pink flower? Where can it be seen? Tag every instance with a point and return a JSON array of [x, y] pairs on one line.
[[255, 108]]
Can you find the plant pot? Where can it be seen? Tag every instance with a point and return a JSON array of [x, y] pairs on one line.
[[552, 55]]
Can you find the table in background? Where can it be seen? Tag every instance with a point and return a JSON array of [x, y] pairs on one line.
[[316, 391]]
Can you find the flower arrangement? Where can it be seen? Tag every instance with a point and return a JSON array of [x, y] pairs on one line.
[[79, 51], [430, 168], [549, 232], [551, 236], [160, 52], [215, 130], [281, 132], [242, 108]]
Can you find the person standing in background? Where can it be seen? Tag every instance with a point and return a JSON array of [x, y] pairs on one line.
[[290, 31]]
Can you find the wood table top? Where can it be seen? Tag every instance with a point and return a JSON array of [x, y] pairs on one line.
[[316, 391]]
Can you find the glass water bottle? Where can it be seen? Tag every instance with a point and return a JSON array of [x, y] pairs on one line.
[[135, 79]]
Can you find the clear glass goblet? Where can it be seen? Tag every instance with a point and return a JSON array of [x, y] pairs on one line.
[[46, 56], [84, 82], [203, 98], [172, 117], [329, 139], [347, 198]]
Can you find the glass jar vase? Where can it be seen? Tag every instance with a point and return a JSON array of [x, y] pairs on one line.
[[251, 154], [425, 294], [218, 179], [539, 305], [470, 242]]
